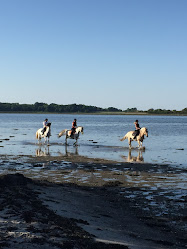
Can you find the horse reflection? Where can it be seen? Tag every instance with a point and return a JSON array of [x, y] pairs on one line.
[[44, 152], [68, 153], [131, 158]]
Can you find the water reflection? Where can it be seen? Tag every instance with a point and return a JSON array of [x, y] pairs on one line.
[[68, 152], [132, 158], [43, 151]]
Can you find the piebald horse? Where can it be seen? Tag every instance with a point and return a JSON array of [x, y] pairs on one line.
[[139, 138], [46, 135], [67, 133]]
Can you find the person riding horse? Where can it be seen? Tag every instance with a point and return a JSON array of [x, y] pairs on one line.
[[137, 129], [45, 124], [74, 126]]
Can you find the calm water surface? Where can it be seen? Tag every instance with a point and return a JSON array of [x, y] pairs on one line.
[[166, 144]]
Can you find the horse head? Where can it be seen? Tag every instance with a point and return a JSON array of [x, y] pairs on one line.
[[144, 131], [79, 129], [82, 130]]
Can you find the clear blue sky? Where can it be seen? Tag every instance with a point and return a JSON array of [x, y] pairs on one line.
[[120, 53]]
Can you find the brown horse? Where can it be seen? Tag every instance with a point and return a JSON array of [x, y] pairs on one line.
[[139, 138]]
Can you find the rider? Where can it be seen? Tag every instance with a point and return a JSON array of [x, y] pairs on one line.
[[137, 129], [45, 124], [74, 126]]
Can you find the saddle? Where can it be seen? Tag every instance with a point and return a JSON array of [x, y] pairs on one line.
[[71, 134], [136, 133]]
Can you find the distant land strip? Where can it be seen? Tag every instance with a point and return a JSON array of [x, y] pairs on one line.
[[81, 109]]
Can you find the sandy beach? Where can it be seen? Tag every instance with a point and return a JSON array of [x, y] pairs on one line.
[[40, 213]]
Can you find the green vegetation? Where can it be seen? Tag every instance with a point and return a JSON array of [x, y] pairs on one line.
[[74, 108], [53, 108]]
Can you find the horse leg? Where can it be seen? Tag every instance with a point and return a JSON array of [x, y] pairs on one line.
[[39, 139], [45, 139], [129, 143], [138, 143], [75, 142]]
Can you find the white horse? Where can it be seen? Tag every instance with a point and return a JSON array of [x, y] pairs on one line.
[[139, 138], [68, 134], [46, 135]]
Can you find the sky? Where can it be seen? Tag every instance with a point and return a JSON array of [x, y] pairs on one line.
[[105, 53]]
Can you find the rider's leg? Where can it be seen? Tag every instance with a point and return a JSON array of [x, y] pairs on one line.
[[135, 134], [44, 129], [72, 132]]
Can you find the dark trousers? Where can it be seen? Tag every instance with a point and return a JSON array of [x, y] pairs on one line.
[[136, 133], [72, 131], [43, 130]]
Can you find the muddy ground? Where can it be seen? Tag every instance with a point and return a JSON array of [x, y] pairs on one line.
[[36, 213]]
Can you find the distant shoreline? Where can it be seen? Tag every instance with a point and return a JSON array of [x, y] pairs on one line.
[[83, 109], [97, 113]]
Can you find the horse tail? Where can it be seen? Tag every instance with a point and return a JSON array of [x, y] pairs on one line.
[[62, 133], [123, 138]]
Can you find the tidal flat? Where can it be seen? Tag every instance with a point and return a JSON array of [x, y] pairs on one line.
[[73, 201]]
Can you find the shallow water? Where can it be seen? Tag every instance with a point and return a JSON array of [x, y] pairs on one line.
[[160, 188], [166, 144]]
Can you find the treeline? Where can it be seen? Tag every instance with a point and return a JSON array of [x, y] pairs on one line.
[[163, 111], [54, 108], [74, 108], [158, 111]]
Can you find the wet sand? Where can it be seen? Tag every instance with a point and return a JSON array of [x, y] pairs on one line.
[[103, 211]]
